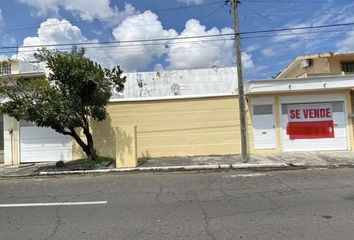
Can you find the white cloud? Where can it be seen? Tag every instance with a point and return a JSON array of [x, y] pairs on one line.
[[347, 44], [135, 56], [291, 34], [312, 39], [144, 26], [247, 62], [201, 52], [269, 52], [89, 10], [190, 2], [180, 54], [3, 57], [252, 47], [52, 31]]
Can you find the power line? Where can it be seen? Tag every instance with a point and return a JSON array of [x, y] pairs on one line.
[[279, 13], [131, 46], [263, 16], [122, 41], [23, 27], [299, 28], [181, 38], [291, 34], [295, 1]]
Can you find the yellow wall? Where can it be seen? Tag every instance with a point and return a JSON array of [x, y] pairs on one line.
[[178, 127], [186, 127]]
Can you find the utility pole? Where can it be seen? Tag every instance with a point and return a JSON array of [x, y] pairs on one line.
[[241, 93]]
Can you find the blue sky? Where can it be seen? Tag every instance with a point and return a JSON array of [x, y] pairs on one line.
[[37, 22]]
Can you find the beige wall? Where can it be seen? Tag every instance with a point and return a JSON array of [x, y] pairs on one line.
[[182, 127], [321, 65], [179, 127], [335, 63]]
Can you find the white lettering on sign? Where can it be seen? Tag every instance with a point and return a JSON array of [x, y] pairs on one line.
[[310, 112]]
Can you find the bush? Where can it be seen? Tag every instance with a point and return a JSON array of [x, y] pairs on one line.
[[59, 164]]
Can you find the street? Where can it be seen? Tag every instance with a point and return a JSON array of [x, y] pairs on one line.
[[301, 204]]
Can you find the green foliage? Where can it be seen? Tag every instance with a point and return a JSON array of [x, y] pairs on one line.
[[101, 161], [76, 90]]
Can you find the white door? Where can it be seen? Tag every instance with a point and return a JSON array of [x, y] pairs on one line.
[[39, 144], [264, 132], [338, 142]]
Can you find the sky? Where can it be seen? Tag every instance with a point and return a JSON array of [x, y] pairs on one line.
[[110, 29]]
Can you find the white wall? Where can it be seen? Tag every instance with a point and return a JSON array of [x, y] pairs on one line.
[[191, 82]]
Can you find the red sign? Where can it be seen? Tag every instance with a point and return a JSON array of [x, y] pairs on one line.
[[308, 121]]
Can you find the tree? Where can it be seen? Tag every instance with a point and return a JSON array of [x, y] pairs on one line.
[[76, 91]]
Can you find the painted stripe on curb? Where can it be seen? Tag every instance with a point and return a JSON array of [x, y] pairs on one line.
[[171, 168], [51, 204], [257, 165]]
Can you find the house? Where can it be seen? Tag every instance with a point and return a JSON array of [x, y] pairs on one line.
[[23, 142], [320, 64], [328, 64], [290, 111], [195, 112], [10, 70]]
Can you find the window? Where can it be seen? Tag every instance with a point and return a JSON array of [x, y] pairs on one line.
[[5, 68], [263, 109], [348, 67]]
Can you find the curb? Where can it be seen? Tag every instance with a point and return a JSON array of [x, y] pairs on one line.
[[171, 168]]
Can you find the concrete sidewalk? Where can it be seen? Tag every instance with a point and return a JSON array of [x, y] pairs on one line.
[[264, 161]]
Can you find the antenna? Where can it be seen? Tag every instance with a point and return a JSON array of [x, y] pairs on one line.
[[175, 89]]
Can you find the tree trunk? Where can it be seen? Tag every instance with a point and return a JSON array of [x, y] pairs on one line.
[[92, 155], [88, 148]]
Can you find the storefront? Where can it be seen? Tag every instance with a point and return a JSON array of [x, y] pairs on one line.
[[301, 114]]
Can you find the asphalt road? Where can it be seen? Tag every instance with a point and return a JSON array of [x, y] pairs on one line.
[[302, 204]]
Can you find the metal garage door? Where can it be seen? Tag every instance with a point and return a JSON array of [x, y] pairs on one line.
[[39, 144], [337, 142]]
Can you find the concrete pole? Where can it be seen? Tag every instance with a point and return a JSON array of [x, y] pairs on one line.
[[241, 93]]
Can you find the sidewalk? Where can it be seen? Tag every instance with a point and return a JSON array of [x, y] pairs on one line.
[[282, 161]]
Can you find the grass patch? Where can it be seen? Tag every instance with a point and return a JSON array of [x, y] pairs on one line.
[[85, 163], [99, 163]]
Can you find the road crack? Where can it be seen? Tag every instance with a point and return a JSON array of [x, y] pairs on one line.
[[206, 221], [57, 224]]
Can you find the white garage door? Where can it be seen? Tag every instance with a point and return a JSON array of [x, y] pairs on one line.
[[338, 142], [39, 144]]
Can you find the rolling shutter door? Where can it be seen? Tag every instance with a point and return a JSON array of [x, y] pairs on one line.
[[338, 142], [39, 144]]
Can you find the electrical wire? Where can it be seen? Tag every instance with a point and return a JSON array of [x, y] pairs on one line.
[[296, 1], [24, 27], [131, 46], [181, 38]]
